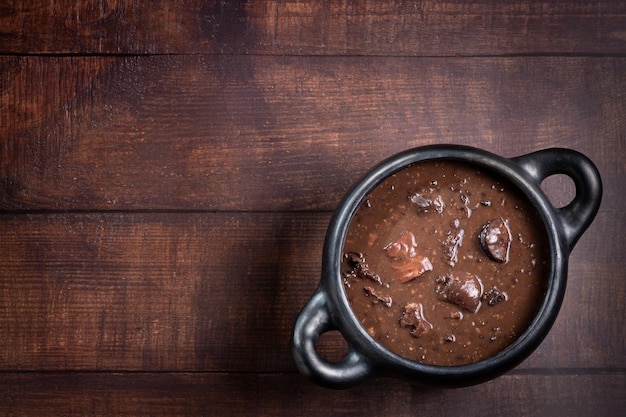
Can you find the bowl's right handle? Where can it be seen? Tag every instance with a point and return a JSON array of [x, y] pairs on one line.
[[578, 214], [315, 319]]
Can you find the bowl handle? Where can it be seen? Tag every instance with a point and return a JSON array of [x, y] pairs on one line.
[[575, 217], [315, 319]]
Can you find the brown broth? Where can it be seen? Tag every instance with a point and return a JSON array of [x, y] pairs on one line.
[[433, 201]]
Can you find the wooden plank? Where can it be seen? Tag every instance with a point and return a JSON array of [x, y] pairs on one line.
[[281, 133], [154, 291], [220, 292], [364, 27], [165, 394]]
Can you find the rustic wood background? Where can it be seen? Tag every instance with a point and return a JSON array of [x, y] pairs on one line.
[[168, 170]]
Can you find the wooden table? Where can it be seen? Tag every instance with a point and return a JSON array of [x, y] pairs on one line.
[[168, 170]]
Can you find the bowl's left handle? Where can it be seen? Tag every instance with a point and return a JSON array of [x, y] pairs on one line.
[[315, 319]]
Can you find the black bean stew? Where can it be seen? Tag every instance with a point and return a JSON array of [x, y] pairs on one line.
[[445, 264]]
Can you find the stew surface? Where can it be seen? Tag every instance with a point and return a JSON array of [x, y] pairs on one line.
[[445, 264]]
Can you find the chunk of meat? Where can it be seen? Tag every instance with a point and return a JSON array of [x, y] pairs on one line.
[[413, 319], [494, 296], [464, 290], [412, 268], [385, 299], [495, 240], [427, 199], [360, 268], [407, 264], [451, 245], [402, 248]]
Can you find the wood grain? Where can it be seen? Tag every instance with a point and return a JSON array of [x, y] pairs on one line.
[[168, 170], [281, 133], [220, 292], [364, 27], [193, 394], [154, 292]]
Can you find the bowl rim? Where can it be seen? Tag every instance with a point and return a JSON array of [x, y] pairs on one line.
[[388, 361]]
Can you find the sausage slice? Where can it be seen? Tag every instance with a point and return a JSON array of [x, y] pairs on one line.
[[495, 240]]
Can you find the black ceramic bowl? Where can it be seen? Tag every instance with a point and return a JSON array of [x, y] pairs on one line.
[[329, 309]]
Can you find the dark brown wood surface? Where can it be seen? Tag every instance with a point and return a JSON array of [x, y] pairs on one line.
[[168, 171]]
